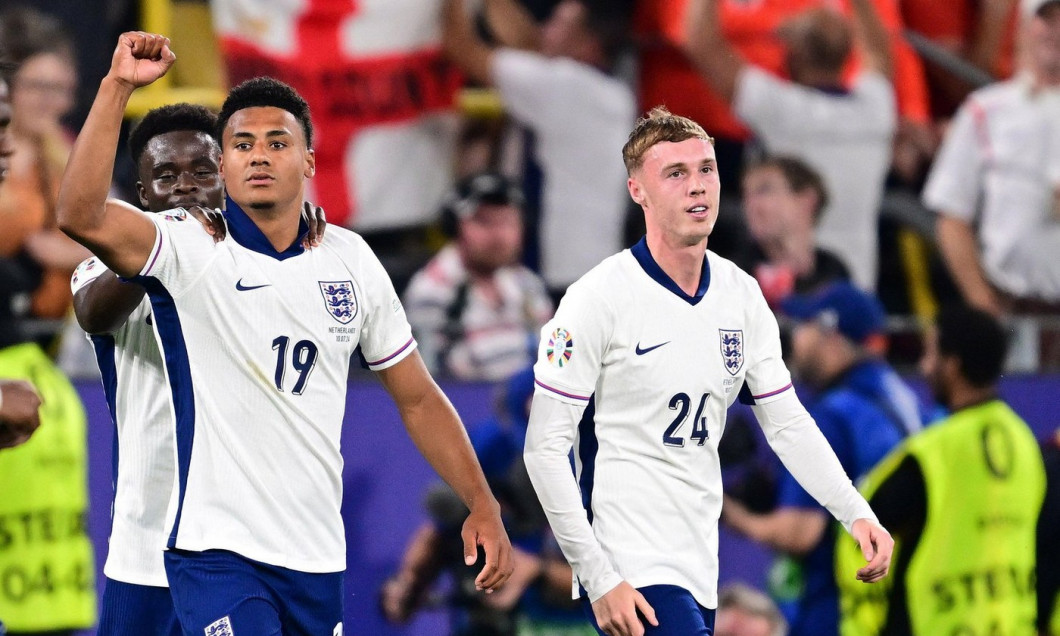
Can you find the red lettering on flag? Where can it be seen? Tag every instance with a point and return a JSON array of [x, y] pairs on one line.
[[346, 95]]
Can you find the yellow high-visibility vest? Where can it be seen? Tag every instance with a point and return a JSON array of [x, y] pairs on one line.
[[47, 575], [972, 572]]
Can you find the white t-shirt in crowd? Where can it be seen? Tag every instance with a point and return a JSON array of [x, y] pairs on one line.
[[581, 118], [998, 168], [846, 137]]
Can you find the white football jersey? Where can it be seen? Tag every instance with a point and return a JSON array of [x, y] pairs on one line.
[[257, 346], [657, 370], [135, 386]]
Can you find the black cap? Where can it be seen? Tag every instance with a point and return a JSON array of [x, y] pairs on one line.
[[491, 188]]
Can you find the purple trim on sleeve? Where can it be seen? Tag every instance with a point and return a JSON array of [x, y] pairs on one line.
[[772, 393], [158, 250], [558, 392], [392, 355]]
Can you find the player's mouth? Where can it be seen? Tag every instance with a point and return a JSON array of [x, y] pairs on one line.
[[698, 211], [187, 202], [260, 178]]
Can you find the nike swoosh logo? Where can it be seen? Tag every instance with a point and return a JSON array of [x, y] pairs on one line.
[[241, 287], [641, 352]]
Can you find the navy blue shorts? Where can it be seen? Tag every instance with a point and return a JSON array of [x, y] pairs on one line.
[[677, 612], [220, 593], [131, 610]]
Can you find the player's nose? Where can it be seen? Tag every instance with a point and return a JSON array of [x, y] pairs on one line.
[[186, 183]]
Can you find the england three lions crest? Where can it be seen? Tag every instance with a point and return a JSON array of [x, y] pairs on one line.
[[340, 299], [732, 349]]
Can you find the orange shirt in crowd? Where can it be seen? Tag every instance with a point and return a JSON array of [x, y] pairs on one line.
[[27, 206], [750, 25], [953, 24]]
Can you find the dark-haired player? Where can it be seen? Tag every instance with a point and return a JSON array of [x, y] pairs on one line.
[[256, 334], [177, 160]]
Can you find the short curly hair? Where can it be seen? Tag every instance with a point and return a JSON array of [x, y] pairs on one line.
[[167, 119], [266, 91]]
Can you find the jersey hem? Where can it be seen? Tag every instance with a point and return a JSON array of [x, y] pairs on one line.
[[136, 578], [308, 566]]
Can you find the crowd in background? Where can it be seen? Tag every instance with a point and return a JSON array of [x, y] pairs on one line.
[[926, 133], [879, 159]]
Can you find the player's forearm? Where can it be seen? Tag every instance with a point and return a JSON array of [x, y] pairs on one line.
[[81, 207], [104, 304], [548, 441], [435, 428], [795, 438]]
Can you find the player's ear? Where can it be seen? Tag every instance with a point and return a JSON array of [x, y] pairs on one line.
[[310, 163], [141, 192], [635, 190]]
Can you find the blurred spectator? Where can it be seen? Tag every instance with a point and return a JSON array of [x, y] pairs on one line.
[[783, 199], [19, 402], [42, 91], [863, 409], [474, 309], [843, 132], [380, 91], [994, 184], [536, 600], [94, 26], [961, 499], [6, 142], [1048, 550], [666, 75], [46, 556], [554, 79], [979, 32], [744, 611]]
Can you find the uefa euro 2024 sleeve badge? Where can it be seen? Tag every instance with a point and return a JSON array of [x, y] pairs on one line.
[[340, 299], [732, 349], [560, 347]]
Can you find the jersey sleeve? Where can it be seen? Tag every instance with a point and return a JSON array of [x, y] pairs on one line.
[[952, 187], [572, 346], [89, 270], [767, 376], [181, 254], [789, 492], [386, 337]]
